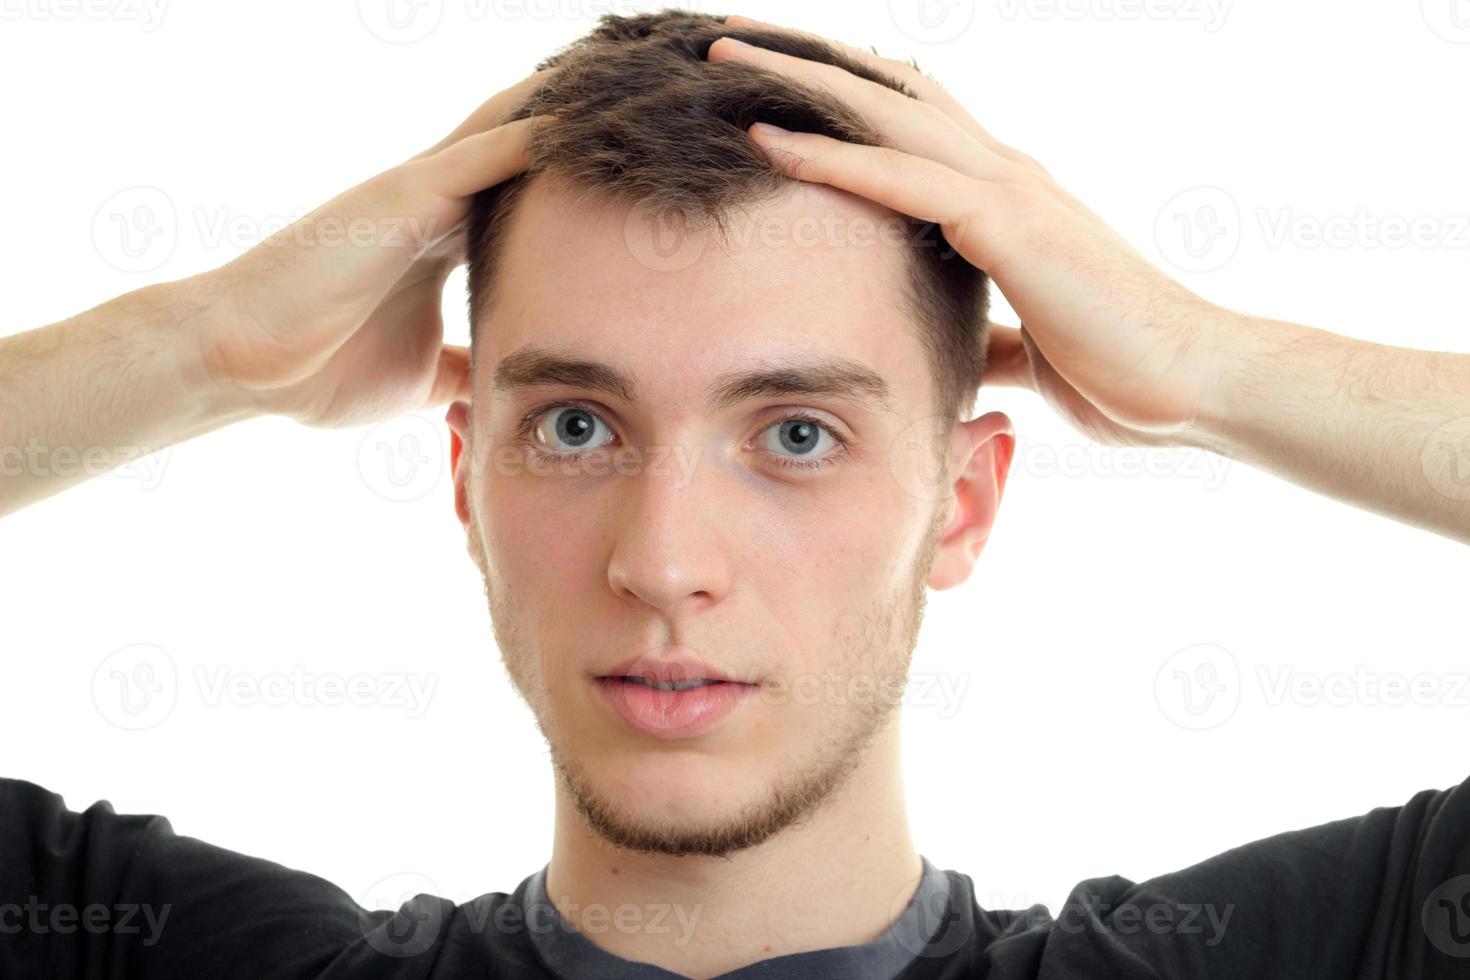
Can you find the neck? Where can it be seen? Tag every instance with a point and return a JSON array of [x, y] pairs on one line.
[[839, 878]]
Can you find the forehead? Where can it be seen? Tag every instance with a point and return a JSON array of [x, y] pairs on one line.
[[814, 271]]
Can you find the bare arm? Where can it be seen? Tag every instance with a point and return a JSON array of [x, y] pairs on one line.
[[88, 394], [1385, 428]]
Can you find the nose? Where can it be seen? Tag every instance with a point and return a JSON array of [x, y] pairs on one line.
[[671, 548]]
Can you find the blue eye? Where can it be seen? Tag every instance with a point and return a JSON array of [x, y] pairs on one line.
[[571, 430], [800, 439]]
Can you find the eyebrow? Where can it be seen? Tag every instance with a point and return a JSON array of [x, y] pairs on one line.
[[532, 365]]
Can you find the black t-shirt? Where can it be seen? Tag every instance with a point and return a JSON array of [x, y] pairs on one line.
[[100, 895]]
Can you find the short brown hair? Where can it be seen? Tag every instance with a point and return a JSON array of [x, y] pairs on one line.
[[643, 116]]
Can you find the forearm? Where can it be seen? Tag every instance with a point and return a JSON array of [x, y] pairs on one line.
[[1385, 428], [103, 388]]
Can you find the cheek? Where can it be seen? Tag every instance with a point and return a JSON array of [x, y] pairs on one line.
[[541, 538], [860, 536], [542, 552], [822, 562]]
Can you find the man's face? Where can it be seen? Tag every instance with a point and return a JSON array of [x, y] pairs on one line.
[[701, 515]]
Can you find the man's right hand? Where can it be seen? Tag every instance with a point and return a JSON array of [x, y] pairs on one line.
[[334, 320]]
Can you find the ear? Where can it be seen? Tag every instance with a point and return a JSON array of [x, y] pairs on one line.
[[980, 453], [458, 417]]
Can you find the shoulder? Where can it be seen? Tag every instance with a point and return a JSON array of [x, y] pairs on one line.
[[1382, 894]]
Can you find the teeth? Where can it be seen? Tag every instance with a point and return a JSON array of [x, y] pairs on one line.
[[668, 685]]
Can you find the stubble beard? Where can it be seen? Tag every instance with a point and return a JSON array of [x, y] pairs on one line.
[[889, 631]]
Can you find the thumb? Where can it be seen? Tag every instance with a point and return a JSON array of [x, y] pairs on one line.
[[452, 378], [1007, 361]]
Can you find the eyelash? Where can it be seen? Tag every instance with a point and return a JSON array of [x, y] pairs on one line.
[[527, 425]]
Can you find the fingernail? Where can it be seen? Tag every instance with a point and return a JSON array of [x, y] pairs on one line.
[[767, 129]]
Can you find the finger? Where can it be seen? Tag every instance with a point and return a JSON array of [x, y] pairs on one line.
[[482, 160], [909, 184], [383, 226], [493, 111], [909, 124], [452, 379], [922, 85], [426, 200], [1007, 361]]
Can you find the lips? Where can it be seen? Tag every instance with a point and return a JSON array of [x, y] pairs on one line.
[[670, 693], [668, 663], [659, 685]]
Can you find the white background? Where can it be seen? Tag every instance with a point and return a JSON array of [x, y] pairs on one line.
[[269, 548]]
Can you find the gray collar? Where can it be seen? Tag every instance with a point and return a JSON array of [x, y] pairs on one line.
[[570, 954]]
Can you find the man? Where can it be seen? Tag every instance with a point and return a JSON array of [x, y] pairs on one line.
[[682, 455]]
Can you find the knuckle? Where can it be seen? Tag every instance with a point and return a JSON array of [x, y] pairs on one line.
[[903, 71], [1031, 162], [1026, 192], [891, 158]]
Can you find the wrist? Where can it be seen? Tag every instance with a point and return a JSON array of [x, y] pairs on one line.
[[1266, 373], [1233, 359], [183, 315]]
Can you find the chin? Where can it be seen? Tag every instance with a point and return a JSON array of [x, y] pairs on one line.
[[680, 802], [691, 800], [680, 785]]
